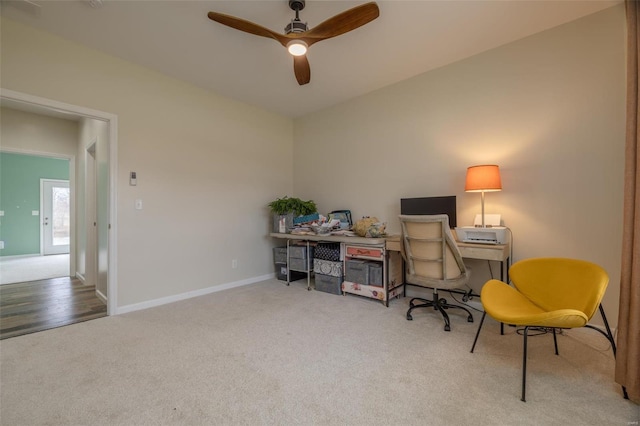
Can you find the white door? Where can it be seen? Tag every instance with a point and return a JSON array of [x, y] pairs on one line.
[[56, 217]]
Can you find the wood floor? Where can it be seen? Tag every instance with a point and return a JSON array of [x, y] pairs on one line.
[[41, 305]]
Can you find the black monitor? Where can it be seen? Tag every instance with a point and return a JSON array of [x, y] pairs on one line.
[[431, 205]]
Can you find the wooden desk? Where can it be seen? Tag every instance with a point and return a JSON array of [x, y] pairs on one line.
[[383, 250], [392, 261], [497, 252]]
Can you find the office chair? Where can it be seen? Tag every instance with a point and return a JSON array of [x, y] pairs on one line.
[[433, 260], [548, 293]]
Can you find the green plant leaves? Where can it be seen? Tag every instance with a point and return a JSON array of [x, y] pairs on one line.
[[299, 207]]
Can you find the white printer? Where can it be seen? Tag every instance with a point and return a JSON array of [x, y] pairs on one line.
[[492, 233]]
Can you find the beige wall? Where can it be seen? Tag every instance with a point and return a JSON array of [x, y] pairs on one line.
[[207, 166], [29, 132], [549, 109]]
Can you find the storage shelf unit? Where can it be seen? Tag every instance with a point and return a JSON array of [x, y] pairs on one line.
[[373, 250], [360, 265], [300, 259]]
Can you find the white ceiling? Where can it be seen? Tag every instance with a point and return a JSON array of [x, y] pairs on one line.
[[409, 38]]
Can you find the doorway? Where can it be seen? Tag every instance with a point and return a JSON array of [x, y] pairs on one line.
[[106, 217], [55, 216]]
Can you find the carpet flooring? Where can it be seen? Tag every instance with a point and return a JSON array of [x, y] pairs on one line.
[[271, 354]]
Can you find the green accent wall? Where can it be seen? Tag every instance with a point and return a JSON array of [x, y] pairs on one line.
[[20, 194]]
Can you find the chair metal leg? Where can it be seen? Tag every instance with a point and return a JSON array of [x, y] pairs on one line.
[[609, 337], [438, 304], [478, 332], [524, 364], [412, 306], [555, 340]]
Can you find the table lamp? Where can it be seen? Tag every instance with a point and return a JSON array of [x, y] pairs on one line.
[[484, 178]]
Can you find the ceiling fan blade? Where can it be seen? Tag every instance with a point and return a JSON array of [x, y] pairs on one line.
[[247, 27], [342, 23], [302, 69]]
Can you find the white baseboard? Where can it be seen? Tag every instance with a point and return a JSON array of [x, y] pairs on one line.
[[101, 296], [81, 278], [188, 295]]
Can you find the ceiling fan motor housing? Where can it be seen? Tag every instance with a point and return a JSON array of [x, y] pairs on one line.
[[296, 26]]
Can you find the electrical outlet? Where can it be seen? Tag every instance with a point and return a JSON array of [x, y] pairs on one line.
[[234, 263], [1, 245]]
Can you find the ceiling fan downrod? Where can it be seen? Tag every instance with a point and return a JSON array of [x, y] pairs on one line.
[[296, 25]]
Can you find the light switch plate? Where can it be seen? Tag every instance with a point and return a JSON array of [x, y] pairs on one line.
[[138, 204], [35, 213]]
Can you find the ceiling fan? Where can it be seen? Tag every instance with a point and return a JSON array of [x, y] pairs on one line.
[[298, 37]]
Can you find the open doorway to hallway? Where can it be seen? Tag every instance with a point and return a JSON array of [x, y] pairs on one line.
[[93, 127]]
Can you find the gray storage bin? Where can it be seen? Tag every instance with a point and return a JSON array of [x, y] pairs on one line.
[[300, 264], [375, 274], [281, 273], [280, 254], [300, 252], [328, 284], [327, 251], [327, 267], [357, 271]]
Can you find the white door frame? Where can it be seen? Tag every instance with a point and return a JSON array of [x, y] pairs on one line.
[[90, 214], [42, 212], [112, 120]]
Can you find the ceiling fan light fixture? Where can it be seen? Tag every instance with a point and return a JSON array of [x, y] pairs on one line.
[[297, 47]]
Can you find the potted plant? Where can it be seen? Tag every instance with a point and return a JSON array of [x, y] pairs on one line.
[[286, 208]]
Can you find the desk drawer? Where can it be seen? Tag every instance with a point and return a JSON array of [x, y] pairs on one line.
[[365, 252]]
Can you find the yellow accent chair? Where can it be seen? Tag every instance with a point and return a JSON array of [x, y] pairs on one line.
[[433, 261], [547, 293]]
